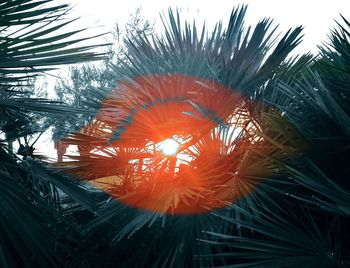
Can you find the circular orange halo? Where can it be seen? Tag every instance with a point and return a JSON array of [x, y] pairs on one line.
[[168, 144]]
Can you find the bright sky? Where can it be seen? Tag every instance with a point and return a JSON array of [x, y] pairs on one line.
[[317, 17]]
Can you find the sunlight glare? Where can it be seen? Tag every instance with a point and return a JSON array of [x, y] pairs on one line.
[[169, 147]]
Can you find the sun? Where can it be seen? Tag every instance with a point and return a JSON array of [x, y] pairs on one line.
[[169, 147], [169, 144]]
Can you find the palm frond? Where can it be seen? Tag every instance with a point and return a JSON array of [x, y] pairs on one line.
[[34, 229], [154, 99], [276, 238]]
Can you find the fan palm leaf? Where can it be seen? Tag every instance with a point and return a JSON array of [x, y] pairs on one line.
[[33, 227], [149, 104]]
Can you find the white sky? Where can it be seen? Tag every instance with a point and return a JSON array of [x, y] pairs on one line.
[[317, 17]]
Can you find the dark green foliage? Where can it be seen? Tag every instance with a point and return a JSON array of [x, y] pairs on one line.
[[27, 49], [308, 226], [298, 216], [34, 231], [281, 237]]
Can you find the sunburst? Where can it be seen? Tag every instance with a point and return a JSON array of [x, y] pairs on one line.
[[171, 144]]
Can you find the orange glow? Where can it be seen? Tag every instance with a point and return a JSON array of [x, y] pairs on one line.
[[170, 144]]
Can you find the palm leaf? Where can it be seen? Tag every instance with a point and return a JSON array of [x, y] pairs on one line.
[[275, 238], [34, 229], [232, 57]]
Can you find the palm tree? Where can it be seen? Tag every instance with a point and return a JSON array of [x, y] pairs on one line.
[[33, 231], [229, 100], [213, 149], [307, 224]]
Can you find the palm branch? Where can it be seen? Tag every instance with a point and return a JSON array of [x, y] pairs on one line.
[[34, 232], [307, 224], [242, 66]]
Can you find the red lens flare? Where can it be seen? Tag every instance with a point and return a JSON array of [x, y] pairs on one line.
[[170, 144]]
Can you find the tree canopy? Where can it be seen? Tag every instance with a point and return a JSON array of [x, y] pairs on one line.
[[259, 176]]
